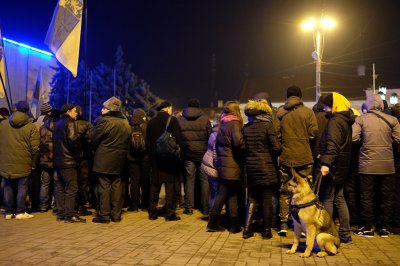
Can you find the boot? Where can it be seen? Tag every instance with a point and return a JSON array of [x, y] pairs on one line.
[[234, 225], [213, 224], [247, 232], [266, 233]]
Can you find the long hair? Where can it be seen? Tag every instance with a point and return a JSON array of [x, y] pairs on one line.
[[232, 107]]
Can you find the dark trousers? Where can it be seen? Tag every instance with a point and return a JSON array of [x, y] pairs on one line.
[[384, 185], [110, 193], [139, 184], [46, 187], [263, 197], [83, 184], [66, 188], [228, 191], [155, 189], [352, 195]]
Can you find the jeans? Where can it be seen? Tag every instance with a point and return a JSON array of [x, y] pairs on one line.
[[331, 195], [110, 191], [46, 188], [213, 183], [18, 186], [66, 188], [191, 168]]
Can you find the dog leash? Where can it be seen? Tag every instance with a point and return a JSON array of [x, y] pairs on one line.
[[318, 180]]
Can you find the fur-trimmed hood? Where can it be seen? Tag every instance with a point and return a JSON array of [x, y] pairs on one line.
[[257, 107]]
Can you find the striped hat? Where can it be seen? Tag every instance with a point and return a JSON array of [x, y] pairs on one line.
[[45, 108]]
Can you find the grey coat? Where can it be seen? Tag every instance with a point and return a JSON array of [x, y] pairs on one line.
[[376, 152]]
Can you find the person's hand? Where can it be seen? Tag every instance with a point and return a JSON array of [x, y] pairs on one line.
[[324, 170]]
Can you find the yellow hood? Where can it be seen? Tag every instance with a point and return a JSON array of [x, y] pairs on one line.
[[340, 103]]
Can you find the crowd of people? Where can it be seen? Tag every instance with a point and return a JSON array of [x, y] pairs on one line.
[[226, 166]]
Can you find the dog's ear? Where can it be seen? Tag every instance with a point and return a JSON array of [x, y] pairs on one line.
[[295, 179]]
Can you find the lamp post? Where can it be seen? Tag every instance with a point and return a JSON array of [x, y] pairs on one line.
[[318, 29]]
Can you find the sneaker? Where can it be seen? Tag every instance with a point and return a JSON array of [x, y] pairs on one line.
[[23, 216], [9, 216], [283, 229], [365, 232], [384, 233]]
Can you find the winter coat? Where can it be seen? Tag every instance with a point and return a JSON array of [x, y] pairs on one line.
[[230, 148], [296, 126], [85, 129], [322, 121], [110, 141], [262, 148], [196, 129], [163, 171], [138, 122], [208, 165], [336, 141], [46, 142], [376, 152], [19, 146], [67, 150]]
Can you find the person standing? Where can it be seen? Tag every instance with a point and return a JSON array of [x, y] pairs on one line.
[[164, 171], [262, 151], [376, 131], [66, 153], [19, 145], [296, 125], [230, 148], [138, 163], [110, 141], [196, 129], [335, 159]]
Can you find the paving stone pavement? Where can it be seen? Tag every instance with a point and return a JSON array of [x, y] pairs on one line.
[[138, 241]]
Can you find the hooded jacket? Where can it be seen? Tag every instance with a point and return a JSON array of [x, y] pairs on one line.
[[262, 145], [296, 125], [336, 141], [376, 152], [46, 142], [138, 123], [19, 146], [196, 129]]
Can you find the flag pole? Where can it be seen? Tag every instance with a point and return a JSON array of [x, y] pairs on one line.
[[85, 56], [6, 70], [5, 92]]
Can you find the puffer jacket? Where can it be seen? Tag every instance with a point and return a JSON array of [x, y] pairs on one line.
[[67, 150], [110, 141], [296, 125], [19, 146], [196, 129], [46, 142], [376, 152], [208, 165], [230, 148], [336, 141], [262, 146]]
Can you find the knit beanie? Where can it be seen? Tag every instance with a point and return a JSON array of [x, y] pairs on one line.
[[113, 104], [194, 103], [294, 91], [45, 108], [163, 104], [138, 116]]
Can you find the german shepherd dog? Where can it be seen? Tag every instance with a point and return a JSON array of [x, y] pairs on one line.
[[310, 217]]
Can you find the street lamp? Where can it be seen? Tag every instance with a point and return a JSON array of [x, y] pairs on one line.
[[318, 29], [394, 98]]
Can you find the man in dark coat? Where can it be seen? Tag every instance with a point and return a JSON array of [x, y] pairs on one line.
[[296, 126], [19, 146], [110, 140], [196, 129], [163, 171], [66, 153], [335, 159]]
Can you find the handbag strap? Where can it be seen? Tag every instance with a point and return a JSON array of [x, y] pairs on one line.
[[169, 120], [384, 119]]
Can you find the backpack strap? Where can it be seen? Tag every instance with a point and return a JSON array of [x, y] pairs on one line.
[[381, 117]]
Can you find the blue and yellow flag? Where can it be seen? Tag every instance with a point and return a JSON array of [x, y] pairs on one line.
[[2, 69], [64, 34]]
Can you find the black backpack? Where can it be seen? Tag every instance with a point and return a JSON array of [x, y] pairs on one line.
[[166, 146], [137, 139]]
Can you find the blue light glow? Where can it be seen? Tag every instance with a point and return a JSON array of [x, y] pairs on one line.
[[27, 47]]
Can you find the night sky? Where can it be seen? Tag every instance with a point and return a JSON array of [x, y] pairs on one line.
[[171, 43]]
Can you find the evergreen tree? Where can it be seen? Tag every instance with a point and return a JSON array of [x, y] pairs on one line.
[[59, 86]]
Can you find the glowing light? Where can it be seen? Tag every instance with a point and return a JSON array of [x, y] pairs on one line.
[[382, 89], [383, 96], [27, 47], [324, 24], [394, 98]]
